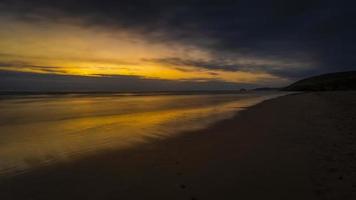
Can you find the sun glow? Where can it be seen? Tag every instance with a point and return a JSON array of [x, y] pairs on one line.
[[70, 49]]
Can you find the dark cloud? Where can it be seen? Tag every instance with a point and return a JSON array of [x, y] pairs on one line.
[[43, 69], [181, 64], [22, 81], [321, 31], [282, 69]]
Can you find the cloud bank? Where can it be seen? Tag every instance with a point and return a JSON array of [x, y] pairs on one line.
[[286, 40]]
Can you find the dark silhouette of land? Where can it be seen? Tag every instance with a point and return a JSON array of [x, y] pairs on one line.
[[326, 82]]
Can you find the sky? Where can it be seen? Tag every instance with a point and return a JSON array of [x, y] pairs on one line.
[[132, 45]]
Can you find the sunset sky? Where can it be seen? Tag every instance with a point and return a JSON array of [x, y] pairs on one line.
[[122, 45]]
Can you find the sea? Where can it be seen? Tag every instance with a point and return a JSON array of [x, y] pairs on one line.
[[43, 129]]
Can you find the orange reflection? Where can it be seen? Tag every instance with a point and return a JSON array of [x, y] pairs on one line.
[[44, 130]]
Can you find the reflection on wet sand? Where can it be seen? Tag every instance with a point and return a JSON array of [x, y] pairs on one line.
[[38, 131]]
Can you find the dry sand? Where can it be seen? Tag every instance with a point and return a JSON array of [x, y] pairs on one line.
[[300, 146]]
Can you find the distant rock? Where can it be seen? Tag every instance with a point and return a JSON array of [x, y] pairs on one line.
[[266, 89], [242, 90], [326, 82]]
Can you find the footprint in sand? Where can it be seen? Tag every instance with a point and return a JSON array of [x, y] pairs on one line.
[[182, 186]]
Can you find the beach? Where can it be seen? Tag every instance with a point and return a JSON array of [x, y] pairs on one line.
[[299, 146]]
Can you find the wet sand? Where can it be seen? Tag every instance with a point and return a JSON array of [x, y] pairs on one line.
[[299, 146]]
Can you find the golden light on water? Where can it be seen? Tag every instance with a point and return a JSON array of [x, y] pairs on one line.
[[43, 130]]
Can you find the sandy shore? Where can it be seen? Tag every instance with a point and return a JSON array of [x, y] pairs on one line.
[[300, 146]]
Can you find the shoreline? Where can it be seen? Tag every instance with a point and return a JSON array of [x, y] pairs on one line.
[[131, 93], [282, 148]]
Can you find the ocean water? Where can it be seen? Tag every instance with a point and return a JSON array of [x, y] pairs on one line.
[[45, 129]]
